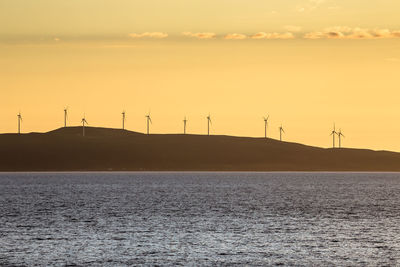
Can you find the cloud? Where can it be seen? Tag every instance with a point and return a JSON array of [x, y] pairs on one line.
[[310, 5], [158, 35], [385, 33], [301, 9], [292, 28], [273, 35], [339, 32], [235, 36], [200, 35], [320, 35]]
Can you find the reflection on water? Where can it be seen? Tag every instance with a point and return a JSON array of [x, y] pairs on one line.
[[199, 218]]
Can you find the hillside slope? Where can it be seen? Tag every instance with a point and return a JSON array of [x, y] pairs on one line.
[[65, 149]]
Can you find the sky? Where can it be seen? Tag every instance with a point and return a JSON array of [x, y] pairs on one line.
[[306, 63]]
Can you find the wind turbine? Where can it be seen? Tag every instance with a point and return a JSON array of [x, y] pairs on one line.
[[208, 124], [184, 125], [340, 139], [266, 125], [84, 121], [65, 116], [19, 116], [148, 121], [280, 132], [123, 120], [333, 135]]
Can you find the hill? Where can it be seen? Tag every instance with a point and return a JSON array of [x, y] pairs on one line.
[[103, 149]]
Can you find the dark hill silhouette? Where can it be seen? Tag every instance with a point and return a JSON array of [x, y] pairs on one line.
[[65, 149]]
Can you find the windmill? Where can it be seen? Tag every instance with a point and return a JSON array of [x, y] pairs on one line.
[[333, 133], [266, 125], [84, 121], [340, 137], [208, 124], [123, 120], [184, 125], [280, 132], [19, 116], [148, 122], [65, 116]]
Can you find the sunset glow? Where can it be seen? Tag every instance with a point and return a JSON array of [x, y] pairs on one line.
[[306, 63]]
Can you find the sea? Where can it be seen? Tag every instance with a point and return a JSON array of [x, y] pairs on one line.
[[199, 219]]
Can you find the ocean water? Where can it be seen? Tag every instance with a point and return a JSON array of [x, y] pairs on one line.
[[183, 218]]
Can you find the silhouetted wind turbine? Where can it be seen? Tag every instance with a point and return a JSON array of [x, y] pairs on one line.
[[184, 125], [266, 125], [123, 120], [84, 121], [208, 124], [333, 135], [280, 132], [340, 139], [19, 116], [65, 116], [148, 121]]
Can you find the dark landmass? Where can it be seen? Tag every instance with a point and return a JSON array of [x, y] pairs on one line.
[[104, 149]]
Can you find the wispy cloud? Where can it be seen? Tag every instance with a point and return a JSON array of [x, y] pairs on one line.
[[260, 35], [200, 35], [273, 35], [339, 32], [235, 36], [309, 5], [158, 35]]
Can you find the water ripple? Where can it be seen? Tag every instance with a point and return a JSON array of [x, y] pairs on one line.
[[120, 219]]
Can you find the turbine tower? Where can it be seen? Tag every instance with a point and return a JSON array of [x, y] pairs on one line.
[[123, 120], [280, 132], [65, 116], [19, 116], [148, 121], [340, 139], [184, 125], [333, 135], [266, 125], [84, 121], [208, 124]]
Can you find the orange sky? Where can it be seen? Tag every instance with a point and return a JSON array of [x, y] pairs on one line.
[[291, 61]]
